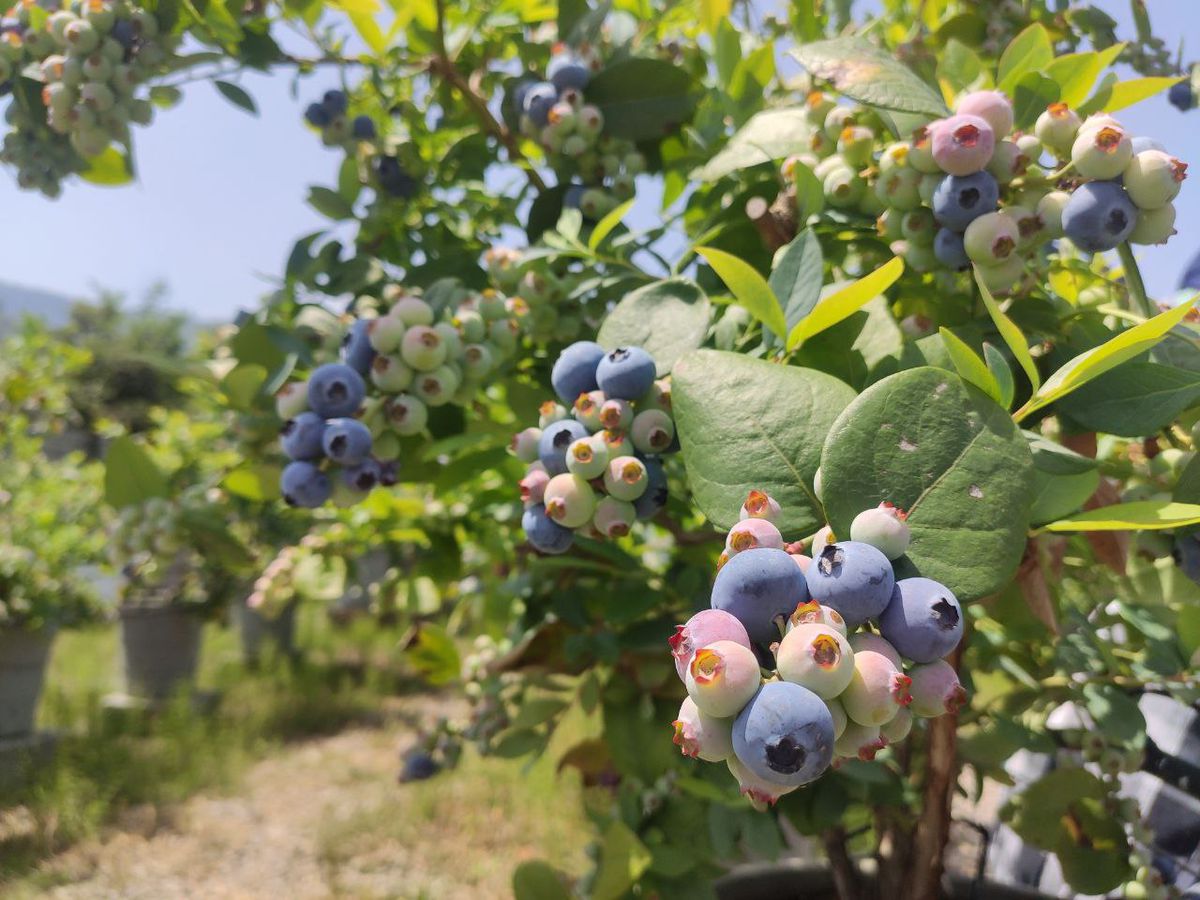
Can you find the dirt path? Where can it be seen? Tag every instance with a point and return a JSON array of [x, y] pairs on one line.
[[325, 819]]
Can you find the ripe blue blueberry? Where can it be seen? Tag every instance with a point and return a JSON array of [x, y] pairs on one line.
[[301, 436], [554, 442], [626, 373], [852, 577], [1098, 216], [317, 115], [347, 441], [303, 484], [784, 735], [654, 499], [357, 351], [760, 587], [567, 71], [363, 128], [923, 620], [364, 476], [948, 248], [394, 181], [539, 98], [1181, 95], [543, 533], [960, 199], [574, 371], [335, 102], [334, 390]]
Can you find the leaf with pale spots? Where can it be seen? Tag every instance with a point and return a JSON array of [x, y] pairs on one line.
[[747, 424], [943, 450]]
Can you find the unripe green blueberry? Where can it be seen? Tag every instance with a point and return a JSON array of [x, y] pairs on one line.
[[843, 188], [574, 146], [1057, 128], [894, 156], [858, 741], [613, 517], [889, 225], [412, 311], [817, 106], [1154, 226], [877, 690], [616, 415], [1030, 228], [816, 657], [585, 459], [1153, 179], [81, 36], [899, 189], [586, 410], [928, 186], [591, 120], [97, 96], [141, 112], [918, 257], [453, 340], [96, 67], [625, 477], [1001, 278], [423, 348], [477, 360], [492, 306], [570, 500], [58, 98], [855, 144], [869, 203], [658, 397], [652, 431], [991, 239], [146, 24], [1102, 153], [918, 226], [821, 145], [1007, 162], [390, 374], [51, 67], [595, 203], [406, 414], [471, 326], [524, 444], [503, 335], [57, 24], [90, 141], [837, 120], [920, 152], [634, 163], [114, 52], [386, 447], [1030, 146], [385, 333], [1098, 121], [550, 412], [1050, 210]]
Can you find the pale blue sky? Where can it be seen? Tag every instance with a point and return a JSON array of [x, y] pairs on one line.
[[220, 196]]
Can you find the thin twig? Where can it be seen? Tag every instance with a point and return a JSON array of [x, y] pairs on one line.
[[1133, 280]]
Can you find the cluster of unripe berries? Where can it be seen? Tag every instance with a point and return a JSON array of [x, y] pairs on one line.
[[594, 465], [330, 116], [541, 298], [600, 168], [275, 588], [968, 190], [91, 56], [839, 688], [395, 367]]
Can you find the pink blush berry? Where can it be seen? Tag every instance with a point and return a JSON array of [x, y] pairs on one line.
[[991, 106], [533, 486], [859, 742], [701, 736], [722, 678], [811, 612], [759, 791], [877, 690], [936, 689], [706, 627], [963, 144], [760, 505], [750, 534], [816, 657], [898, 729], [866, 640]]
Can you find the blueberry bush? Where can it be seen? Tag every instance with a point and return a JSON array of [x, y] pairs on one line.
[[615, 296]]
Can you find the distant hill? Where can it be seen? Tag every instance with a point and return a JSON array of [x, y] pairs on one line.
[[17, 300]]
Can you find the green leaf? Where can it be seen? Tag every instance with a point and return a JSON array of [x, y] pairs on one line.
[[243, 384], [749, 288], [642, 99], [605, 226], [1133, 399], [1012, 335], [970, 366], [235, 95], [1135, 90], [254, 482], [747, 424], [1116, 714], [1029, 51], [1001, 371], [767, 136], [537, 880], [368, 29], [544, 211], [666, 319], [130, 475], [850, 299], [434, 655], [959, 68], [945, 452], [1139, 515], [1074, 73], [796, 278], [624, 859], [1091, 363], [1032, 94], [329, 203], [569, 14], [869, 74], [713, 13], [165, 96], [1056, 496], [110, 169], [349, 184]]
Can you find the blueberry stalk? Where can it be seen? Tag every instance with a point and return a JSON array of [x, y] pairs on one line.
[[1133, 280]]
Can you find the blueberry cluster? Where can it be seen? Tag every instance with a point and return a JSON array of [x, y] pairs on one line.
[[395, 367], [331, 116], [543, 293], [92, 56], [839, 689], [967, 189], [600, 169], [596, 466]]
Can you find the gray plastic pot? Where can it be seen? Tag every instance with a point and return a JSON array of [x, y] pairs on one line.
[[23, 658], [807, 881], [162, 649], [255, 629]]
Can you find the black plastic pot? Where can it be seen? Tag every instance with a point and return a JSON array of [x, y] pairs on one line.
[[23, 659], [806, 881], [162, 649]]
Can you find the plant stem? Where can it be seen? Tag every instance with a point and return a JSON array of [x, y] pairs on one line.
[[845, 876], [1133, 280]]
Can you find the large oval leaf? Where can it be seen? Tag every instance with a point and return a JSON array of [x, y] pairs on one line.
[[769, 135], [666, 319], [941, 449], [745, 424], [642, 99], [870, 75]]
